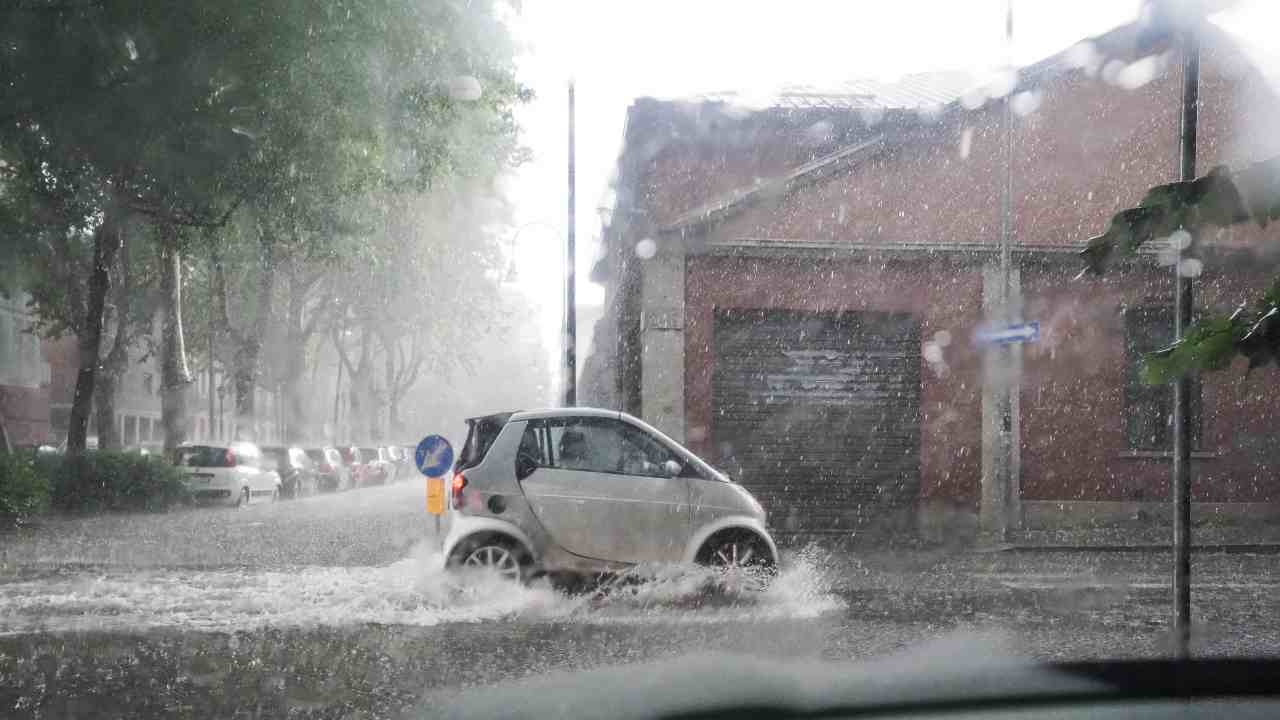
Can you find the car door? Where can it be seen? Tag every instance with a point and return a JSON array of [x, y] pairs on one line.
[[600, 487]]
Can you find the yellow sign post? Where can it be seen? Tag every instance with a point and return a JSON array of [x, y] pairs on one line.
[[435, 495]]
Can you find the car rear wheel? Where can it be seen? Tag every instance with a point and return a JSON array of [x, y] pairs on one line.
[[493, 553]]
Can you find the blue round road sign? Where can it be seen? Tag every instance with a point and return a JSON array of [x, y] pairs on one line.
[[434, 456]]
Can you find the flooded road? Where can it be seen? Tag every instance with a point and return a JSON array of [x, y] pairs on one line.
[[338, 605]]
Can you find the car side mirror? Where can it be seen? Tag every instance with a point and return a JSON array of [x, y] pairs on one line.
[[525, 466], [672, 468]]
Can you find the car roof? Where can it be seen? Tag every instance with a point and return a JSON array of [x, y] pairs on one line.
[[566, 412]]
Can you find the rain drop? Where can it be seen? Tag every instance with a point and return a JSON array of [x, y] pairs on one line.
[[1025, 103], [1180, 239], [966, 143], [646, 249], [1191, 267], [465, 87]]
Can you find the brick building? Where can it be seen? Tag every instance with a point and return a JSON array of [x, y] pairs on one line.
[[793, 292]]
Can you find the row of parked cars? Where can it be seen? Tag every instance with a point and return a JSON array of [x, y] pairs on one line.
[[241, 473]]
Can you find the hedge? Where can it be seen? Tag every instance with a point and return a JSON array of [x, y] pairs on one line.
[[23, 489], [95, 481], [112, 480]]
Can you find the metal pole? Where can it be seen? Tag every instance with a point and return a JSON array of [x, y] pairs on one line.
[[570, 320], [337, 396], [1182, 386], [1004, 470], [210, 373]]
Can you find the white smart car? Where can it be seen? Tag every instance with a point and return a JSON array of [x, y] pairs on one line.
[[232, 475], [581, 491]]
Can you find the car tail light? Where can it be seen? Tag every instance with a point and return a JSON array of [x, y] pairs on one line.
[[231, 458], [326, 468], [459, 483]]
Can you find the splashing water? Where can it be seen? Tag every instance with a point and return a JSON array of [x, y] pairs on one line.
[[415, 591]]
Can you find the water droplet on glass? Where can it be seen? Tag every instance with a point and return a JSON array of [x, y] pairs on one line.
[[132, 48], [646, 249], [1025, 103], [1140, 72], [1191, 267], [966, 143], [1180, 239], [942, 338], [464, 87]]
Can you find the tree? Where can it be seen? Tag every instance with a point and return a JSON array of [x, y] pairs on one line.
[[1220, 198], [184, 112]]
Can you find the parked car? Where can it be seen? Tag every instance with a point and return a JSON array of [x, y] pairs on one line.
[[395, 463], [297, 471], [586, 491], [232, 474], [332, 474], [376, 469], [354, 463]]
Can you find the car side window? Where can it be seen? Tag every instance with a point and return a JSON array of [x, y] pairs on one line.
[[532, 443], [601, 445]]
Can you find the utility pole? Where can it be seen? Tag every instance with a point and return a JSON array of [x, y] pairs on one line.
[[1006, 292], [1182, 386], [212, 433], [570, 319]]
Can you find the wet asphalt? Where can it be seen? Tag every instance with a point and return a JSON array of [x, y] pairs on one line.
[[336, 606]]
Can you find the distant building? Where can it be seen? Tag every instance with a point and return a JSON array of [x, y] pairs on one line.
[[24, 375], [794, 293]]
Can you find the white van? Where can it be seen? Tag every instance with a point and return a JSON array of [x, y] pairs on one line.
[[232, 475]]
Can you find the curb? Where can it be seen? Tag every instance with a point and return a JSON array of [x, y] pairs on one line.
[[1224, 548]]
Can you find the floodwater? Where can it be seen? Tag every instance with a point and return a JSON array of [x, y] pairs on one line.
[[338, 605]]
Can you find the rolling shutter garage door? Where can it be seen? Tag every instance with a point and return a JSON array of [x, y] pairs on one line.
[[818, 414]]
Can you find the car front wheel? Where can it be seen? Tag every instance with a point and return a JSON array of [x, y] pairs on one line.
[[740, 554]]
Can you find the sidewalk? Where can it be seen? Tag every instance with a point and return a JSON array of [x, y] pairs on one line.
[[1241, 538]]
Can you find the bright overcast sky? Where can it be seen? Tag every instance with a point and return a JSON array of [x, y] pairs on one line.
[[618, 50]]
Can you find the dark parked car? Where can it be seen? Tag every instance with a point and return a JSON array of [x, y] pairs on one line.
[[332, 474], [297, 471]]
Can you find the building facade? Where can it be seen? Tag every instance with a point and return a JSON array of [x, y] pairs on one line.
[[795, 293]]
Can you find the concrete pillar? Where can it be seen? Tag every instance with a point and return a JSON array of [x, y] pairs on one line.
[[662, 340], [1001, 503]]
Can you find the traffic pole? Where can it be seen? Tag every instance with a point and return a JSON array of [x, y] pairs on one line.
[[570, 318], [1182, 386]]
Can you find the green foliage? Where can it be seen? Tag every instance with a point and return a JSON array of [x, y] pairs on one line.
[[1221, 198], [1213, 342], [23, 490], [103, 480]]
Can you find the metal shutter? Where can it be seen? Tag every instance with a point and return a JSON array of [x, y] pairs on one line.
[[818, 414]]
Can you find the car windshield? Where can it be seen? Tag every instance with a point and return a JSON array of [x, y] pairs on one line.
[[724, 341]]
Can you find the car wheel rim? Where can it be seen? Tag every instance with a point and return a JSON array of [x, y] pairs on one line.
[[496, 558]]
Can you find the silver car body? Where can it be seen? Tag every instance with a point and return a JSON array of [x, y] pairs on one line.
[[588, 521]]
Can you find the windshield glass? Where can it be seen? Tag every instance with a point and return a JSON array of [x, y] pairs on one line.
[[373, 357]]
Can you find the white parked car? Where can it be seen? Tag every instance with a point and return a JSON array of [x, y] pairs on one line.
[[232, 475]]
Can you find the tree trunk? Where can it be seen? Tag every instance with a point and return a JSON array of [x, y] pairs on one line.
[[297, 429], [106, 242], [117, 360], [175, 379], [249, 353], [4, 434], [104, 407]]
